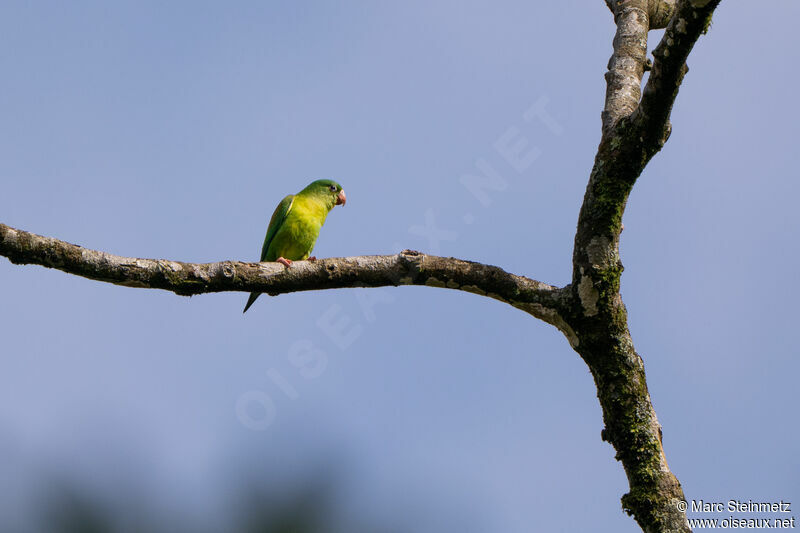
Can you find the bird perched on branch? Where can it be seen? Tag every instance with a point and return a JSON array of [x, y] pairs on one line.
[[295, 224]]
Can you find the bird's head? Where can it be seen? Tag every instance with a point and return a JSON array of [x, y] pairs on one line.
[[328, 189]]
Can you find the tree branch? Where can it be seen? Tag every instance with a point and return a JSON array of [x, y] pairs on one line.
[[633, 132], [651, 119], [541, 300], [658, 11], [626, 66]]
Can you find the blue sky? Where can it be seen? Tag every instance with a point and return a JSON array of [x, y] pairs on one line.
[[173, 131]]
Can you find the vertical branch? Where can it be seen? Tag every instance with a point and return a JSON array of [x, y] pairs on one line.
[[626, 66], [633, 131]]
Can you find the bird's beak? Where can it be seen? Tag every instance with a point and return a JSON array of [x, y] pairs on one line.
[[341, 199]]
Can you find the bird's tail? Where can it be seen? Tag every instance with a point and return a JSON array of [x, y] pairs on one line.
[[250, 301]]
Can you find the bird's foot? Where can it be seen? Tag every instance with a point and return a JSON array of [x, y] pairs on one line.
[[284, 262], [312, 258]]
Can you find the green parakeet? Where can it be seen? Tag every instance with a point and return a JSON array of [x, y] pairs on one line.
[[295, 224]]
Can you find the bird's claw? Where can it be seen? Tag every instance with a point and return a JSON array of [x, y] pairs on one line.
[[312, 258], [284, 262]]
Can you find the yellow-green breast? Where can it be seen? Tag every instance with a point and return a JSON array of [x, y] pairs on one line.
[[297, 235]]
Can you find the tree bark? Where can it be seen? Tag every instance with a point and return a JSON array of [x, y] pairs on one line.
[[409, 267], [633, 131]]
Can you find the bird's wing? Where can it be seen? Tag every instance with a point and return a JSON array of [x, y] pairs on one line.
[[277, 220]]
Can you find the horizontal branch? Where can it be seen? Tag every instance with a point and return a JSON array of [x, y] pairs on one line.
[[406, 268]]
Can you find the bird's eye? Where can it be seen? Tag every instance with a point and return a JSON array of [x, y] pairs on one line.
[[333, 188]]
